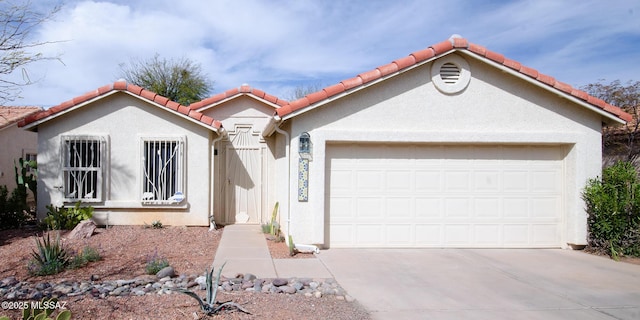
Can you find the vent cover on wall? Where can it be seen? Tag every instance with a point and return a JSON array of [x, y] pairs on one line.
[[450, 74]]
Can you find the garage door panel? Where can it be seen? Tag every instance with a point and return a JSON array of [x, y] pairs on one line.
[[487, 208], [399, 235], [545, 207], [399, 207], [457, 180], [487, 181], [516, 208], [342, 209], [427, 181], [457, 235], [444, 196], [457, 208], [489, 235], [545, 181], [370, 235], [515, 181], [370, 180], [399, 181], [369, 208], [516, 234], [428, 208]]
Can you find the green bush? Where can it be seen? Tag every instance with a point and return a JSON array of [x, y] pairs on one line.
[[613, 208], [66, 218], [50, 258], [156, 263], [86, 255], [12, 208]]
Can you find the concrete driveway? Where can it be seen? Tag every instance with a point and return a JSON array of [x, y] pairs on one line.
[[486, 283]]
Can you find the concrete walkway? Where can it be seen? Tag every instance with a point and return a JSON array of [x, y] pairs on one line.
[[244, 248]]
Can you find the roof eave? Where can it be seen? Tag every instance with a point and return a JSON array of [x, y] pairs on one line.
[[33, 126], [227, 99]]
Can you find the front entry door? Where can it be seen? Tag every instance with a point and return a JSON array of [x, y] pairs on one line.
[[244, 184]]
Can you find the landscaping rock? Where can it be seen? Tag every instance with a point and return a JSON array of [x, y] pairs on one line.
[[166, 272], [278, 282], [83, 230], [150, 284]]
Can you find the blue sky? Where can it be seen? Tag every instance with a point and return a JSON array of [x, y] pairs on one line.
[[278, 45]]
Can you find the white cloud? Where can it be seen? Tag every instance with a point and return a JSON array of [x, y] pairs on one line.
[[273, 45]]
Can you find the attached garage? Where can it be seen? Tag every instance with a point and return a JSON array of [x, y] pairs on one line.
[[401, 195], [453, 146]]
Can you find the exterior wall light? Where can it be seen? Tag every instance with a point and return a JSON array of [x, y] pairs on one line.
[[304, 145]]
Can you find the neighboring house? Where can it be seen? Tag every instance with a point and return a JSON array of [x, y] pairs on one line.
[[15, 143], [451, 146]]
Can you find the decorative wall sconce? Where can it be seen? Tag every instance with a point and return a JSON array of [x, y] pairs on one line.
[[304, 145]]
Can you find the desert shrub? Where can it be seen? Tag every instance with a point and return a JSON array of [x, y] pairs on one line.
[[50, 258], [12, 208], [66, 218], [156, 263], [86, 255], [155, 224], [613, 208]]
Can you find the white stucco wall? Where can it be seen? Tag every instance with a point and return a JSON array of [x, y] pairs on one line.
[[125, 119], [495, 108], [14, 143]]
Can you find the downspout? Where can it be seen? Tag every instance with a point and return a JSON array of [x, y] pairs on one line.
[[288, 156], [299, 247], [221, 134]]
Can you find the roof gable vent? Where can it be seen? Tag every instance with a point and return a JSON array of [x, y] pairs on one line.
[[450, 74]]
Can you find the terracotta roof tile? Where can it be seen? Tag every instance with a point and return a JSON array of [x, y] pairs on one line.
[[424, 54], [494, 56], [442, 47], [388, 69], [243, 90], [405, 62], [335, 89], [10, 115], [478, 49], [438, 49], [351, 83], [316, 96], [460, 42], [546, 79], [148, 94], [515, 65], [161, 100], [370, 75], [563, 87], [533, 73], [121, 86]]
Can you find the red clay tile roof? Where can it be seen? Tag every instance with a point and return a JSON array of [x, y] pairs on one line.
[[10, 115], [243, 90], [438, 49], [125, 87]]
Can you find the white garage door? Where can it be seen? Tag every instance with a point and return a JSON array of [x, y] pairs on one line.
[[444, 196]]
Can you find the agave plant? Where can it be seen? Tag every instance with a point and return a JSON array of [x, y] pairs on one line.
[[51, 257], [209, 305]]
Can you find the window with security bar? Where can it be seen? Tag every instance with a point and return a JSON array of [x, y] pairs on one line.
[[162, 171], [82, 167]]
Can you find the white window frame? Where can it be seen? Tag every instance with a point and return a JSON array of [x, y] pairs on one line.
[[29, 155], [153, 177], [83, 172]]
